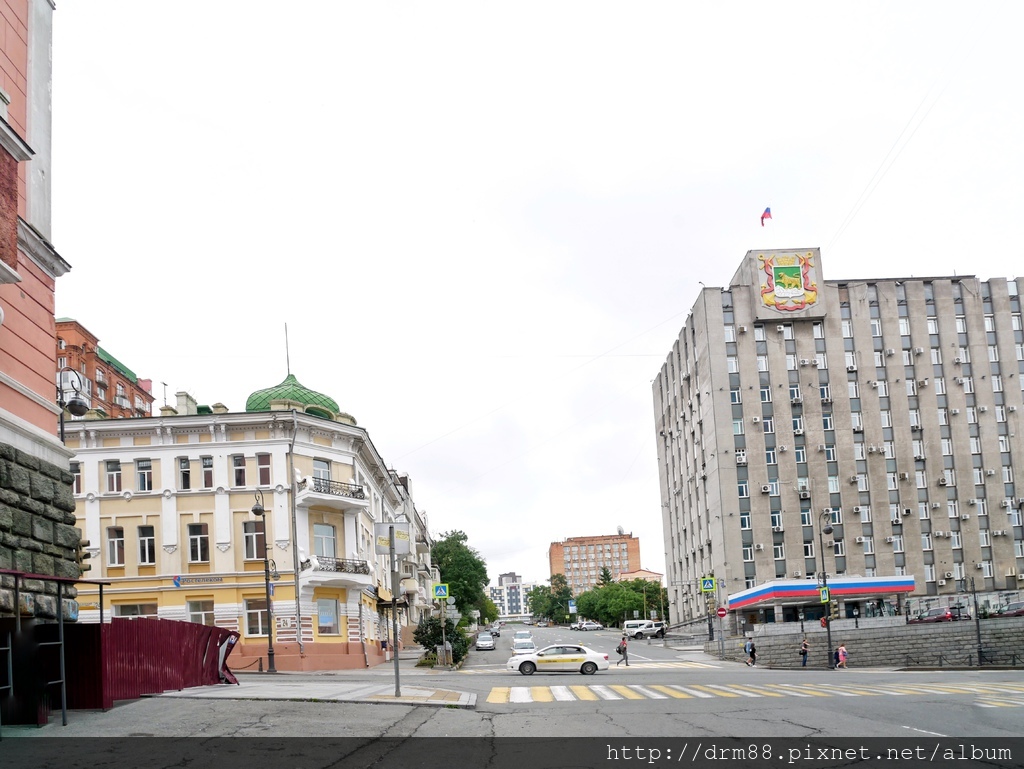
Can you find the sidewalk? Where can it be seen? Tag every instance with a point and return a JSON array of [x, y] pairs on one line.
[[325, 686]]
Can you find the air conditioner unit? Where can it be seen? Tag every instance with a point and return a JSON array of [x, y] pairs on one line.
[[742, 329], [857, 509], [796, 400], [853, 479], [783, 449], [805, 495], [990, 473], [939, 534], [896, 520], [778, 529], [999, 533], [874, 385], [1020, 501], [982, 409], [890, 352], [922, 382], [1005, 503], [941, 582], [861, 540], [1020, 577], [949, 575], [972, 501], [805, 362], [907, 511], [815, 362], [872, 449], [741, 460], [858, 429], [890, 539], [851, 368], [765, 488], [919, 457], [798, 431], [755, 420], [780, 328], [943, 481], [959, 379], [759, 546], [798, 573], [957, 361], [936, 505], [918, 350], [915, 428], [821, 447], [826, 399], [954, 412], [1011, 408], [979, 565], [904, 476], [965, 517]]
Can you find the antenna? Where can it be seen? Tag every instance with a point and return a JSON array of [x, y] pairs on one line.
[[165, 392], [621, 531], [287, 354]]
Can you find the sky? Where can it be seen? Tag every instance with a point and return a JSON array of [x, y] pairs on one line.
[[484, 224]]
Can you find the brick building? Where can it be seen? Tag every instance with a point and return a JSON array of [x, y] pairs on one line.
[[581, 559]]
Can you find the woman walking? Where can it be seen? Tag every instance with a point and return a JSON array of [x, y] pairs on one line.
[[624, 647], [843, 654]]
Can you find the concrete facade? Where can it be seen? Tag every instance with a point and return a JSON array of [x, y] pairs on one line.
[[887, 408]]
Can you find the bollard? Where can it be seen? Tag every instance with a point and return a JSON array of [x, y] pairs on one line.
[[261, 665]]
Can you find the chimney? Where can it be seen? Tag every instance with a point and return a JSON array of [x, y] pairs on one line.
[[219, 408], [168, 411], [186, 403]]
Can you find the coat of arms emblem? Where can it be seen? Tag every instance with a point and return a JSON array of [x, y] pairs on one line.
[[788, 281]]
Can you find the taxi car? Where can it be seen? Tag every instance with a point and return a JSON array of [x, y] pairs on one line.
[[570, 658]]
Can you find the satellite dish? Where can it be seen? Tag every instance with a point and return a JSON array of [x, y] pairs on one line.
[[621, 531]]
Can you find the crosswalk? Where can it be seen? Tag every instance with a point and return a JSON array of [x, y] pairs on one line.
[[995, 695], [490, 669]]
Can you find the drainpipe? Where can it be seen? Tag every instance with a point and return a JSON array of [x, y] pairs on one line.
[[295, 534]]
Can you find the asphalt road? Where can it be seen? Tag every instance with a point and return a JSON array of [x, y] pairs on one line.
[[666, 692]]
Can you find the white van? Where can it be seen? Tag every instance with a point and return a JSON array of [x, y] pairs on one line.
[[638, 628]]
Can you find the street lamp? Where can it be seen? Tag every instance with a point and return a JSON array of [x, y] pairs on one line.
[[826, 519], [77, 406], [260, 513]]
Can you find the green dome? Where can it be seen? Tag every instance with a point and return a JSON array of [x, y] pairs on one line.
[[290, 390]]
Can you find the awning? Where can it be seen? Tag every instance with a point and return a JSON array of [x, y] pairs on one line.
[[804, 591]]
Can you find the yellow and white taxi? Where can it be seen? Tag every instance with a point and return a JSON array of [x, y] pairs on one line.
[[560, 658]]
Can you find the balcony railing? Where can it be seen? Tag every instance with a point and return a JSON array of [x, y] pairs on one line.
[[324, 563], [337, 488]]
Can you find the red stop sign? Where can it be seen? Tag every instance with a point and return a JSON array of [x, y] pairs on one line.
[[721, 611]]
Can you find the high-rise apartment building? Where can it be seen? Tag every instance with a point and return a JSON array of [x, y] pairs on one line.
[[511, 596], [106, 384], [889, 409], [581, 559]]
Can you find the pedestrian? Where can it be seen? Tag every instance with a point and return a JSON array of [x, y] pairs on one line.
[[623, 649], [746, 650], [804, 648], [753, 655], [835, 659], [843, 655]]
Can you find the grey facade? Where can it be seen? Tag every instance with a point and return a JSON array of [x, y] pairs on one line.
[[887, 407]]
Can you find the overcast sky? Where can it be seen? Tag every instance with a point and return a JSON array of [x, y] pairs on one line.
[[485, 223]]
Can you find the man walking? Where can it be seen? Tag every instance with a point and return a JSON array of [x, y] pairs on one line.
[[804, 648]]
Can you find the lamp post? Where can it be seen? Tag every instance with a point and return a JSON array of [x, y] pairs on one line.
[[826, 519], [260, 513], [77, 406], [977, 618]]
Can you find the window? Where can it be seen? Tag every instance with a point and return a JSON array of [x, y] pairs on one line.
[[115, 546], [737, 427], [805, 517], [800, 454], [207, 463], [993, 353], [322, 469], [144, 471], [256, 620], [327, 616], [238, 466], [734, 397], [961, 324], [865, 514], [255, 543], [892, 481], [200, 612], [198, 543], [779, 551], [997, 383], [76, 471], [113, 476], [827, 422], [147, 545], [762, 362], [743, 489], [769, 457], [263, 469], [323, 540], [759, 333], [745, 520], [830, 452], [748, 553], [730, 333], [869, 545], [766, 395], [839, 547], [876, 327], [135, 610], [184, 474], [733, 364], [936, 356], [768, 424], [836, 515]]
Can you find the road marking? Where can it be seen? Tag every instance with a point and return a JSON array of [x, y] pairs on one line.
[[626, 692], [520, 694], [498, 694], [762, 692], [806, 692], [728, 691], [649, 692], [720, 694], [691, 692], [562, 693], [672, 692], [605, 693], [541, 693], [584, 693]]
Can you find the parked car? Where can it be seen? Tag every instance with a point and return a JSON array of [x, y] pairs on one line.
[[485, 642], [591, 626], [941, 614], [523, 646], [542, 623], [1015, 609], [574, 626], [644, 628], [562, 658], [496, 631]]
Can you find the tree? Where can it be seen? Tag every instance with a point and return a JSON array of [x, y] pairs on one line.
[[561, 594], [488, 611], [605, 578], [428, 635], [462, 568], [539, 600]]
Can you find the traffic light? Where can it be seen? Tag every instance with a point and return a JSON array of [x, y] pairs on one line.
[[82, 555], [834, 609]]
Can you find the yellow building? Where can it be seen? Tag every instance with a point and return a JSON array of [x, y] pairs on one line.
[[165, 504]]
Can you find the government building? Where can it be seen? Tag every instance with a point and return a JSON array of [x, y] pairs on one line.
[[869, 428], [166, 507]]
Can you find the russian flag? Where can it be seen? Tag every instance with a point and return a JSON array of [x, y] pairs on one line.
[[766, 215]]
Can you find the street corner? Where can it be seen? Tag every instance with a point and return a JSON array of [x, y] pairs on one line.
[[441, 698]]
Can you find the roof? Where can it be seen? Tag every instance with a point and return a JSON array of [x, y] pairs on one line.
[[110, 360], [291, 390], [803, 591]]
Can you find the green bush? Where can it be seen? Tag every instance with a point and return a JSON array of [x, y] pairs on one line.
[[428, 635]]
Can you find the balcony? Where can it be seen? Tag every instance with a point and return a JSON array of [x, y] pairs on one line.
[[334, 495], [335, 572], [343, 565]]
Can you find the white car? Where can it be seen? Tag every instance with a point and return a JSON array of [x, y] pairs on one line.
[[570, 658], [524, 635], [485, 642], [523, 646], [591, 626]]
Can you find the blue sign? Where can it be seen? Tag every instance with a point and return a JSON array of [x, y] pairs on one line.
[[707, 585], [441, 590]]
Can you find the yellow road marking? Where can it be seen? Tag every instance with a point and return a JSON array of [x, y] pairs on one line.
[[715, 692], [763, 692], [626, 692], [498, 694], [672, 692], [584, 693], [541, 694], [803, 689]]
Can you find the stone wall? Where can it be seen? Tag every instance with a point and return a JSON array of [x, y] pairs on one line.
[[37, 533], [891, 646]]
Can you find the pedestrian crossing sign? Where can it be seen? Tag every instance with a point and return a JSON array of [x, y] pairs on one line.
[[441, 590], [707, 585], [823, 592]]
